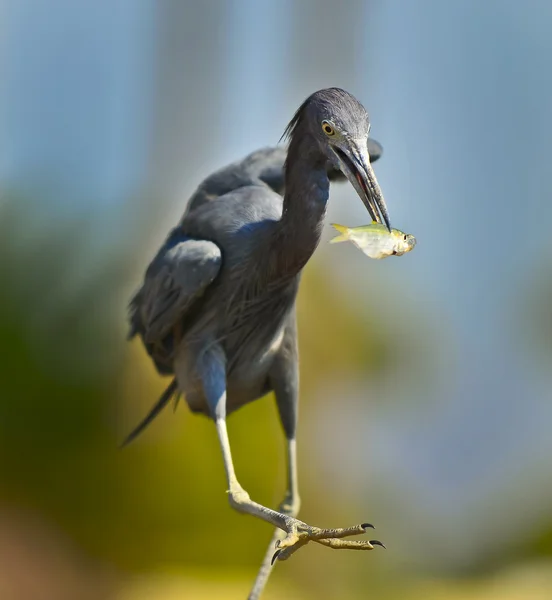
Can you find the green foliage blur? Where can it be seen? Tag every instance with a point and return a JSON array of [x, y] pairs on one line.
[[72, 387], [80, 518]]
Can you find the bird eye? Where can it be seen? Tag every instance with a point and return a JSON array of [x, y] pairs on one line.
[[327, 128], [404, 237]]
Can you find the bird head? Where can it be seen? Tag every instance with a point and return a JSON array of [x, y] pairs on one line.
[[340, 127]]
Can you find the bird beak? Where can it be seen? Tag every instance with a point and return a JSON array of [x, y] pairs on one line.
[[354, 162]]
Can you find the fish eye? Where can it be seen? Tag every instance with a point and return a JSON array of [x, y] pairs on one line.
[[404, 237], [328, 128]]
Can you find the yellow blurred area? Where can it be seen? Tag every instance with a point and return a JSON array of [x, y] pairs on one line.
[[230, 586], [533, 582]]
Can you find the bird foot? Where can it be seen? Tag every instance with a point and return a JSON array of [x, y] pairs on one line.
[[299, 534]]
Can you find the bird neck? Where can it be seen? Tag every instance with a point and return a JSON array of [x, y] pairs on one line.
[[307, 190]]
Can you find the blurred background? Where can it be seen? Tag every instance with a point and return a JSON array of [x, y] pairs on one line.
[[426, 381]]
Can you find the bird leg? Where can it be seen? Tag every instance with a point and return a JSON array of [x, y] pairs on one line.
[[297, 532], [289, 506], [211, 368], [292, 502]]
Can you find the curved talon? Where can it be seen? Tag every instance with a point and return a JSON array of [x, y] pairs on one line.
[[275, 556], [338, 544], [367, 525], [378, 543], [287, 552]]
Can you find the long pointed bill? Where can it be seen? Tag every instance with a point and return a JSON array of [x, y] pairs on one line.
[[355, 165]]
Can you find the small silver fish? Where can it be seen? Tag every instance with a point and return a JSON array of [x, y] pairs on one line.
[[375, 240]]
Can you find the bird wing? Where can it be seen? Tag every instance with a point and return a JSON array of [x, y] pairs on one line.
[[262, 167], [175, 279]]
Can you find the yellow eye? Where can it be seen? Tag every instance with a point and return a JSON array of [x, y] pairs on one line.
[[327, 128]]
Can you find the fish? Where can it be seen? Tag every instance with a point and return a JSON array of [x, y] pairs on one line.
[[375, 240]]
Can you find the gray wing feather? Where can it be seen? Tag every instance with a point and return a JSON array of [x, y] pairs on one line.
[[175, 279], [264, 166]]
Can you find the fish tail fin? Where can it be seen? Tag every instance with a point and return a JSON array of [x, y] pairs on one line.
[[344, 234], [171, 390]]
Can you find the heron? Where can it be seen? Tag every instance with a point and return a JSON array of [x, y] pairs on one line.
[[216, 308]]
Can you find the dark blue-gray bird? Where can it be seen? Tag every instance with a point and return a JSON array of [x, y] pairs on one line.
[[217, 305]]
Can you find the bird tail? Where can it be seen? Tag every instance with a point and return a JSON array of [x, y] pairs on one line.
[[165, 398], [344, 234]]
